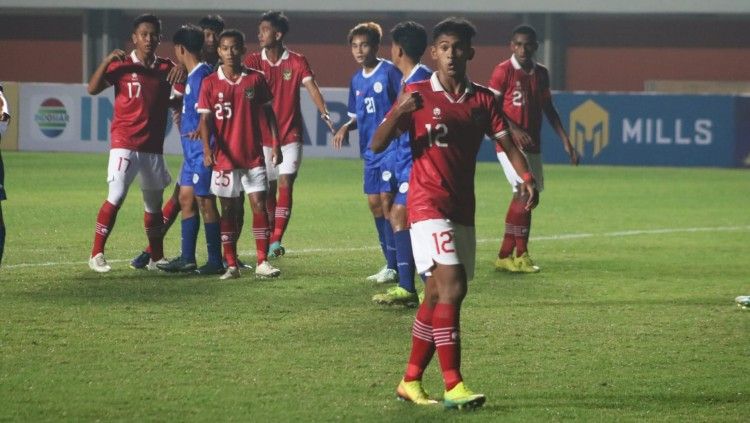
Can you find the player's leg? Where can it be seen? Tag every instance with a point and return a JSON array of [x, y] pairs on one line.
[[287, 175], [272, 174], [514, 219], [209, 212], [371, 187], [121, 170], [405, 293], [190, 223], [255, 184], [523, 260], [2, 198], [154, 179], [387, 190], [169, 212], [226, 185]]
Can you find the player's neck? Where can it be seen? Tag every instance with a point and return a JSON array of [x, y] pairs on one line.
[[145, 58], [370, 65], [406, 67], [452, 84], [275, 52], [232, 72], [191, 62]]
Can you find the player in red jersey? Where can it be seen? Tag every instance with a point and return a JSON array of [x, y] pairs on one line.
[[447, 118], [211, 25], [522, 88], [232, 103], [142, 98], [4, 121], [286, 71]]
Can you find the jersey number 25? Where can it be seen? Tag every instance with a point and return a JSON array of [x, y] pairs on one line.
[[223, 110]]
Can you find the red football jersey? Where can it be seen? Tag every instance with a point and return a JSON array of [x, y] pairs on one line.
[[237, 108], [139, 121], [445, 137], [522, 96], [285, 78]]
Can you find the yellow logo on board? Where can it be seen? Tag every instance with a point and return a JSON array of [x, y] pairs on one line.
[[589, 122]]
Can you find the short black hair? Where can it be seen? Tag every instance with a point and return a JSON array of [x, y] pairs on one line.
[[213, 22], [525, 29], [278, 21], [461, 27], [371, 30], [234, 33], [147, 18], [411, 37], [190, 37]]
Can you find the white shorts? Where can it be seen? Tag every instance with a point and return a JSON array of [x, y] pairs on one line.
[[292, 155], [125, 164], [444, 242], [535, 165], [229, 183]]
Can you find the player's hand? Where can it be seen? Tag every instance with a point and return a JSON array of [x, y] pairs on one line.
[[177, 74], [409, 102], [276, 156], [341, 137], [521, 138], [574, 159], [329, 123], [530, 194], [208, 158], [2, 103], [192, 135], [116, 54]]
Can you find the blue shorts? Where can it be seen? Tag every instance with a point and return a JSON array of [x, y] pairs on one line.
[[198, 176], [379, 179], [2, 179], [403, 190]]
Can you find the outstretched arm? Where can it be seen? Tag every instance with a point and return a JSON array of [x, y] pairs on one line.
[[317, 98], [97, 83]]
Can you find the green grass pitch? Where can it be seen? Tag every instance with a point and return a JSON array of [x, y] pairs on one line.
[[632, 317]]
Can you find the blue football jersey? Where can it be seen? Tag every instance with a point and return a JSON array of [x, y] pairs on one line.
[[371, 96], [190, 119], [403, 143]]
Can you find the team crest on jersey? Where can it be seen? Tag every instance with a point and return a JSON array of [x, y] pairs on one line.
[[436, 112], [221, 96], [134, 76], [287, 74], [378, 87], [250, 93]]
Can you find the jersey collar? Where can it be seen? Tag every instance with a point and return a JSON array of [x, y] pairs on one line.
[[372, 72], [196, 68], [284, 56], [517, 66], [413, 71], [438, 87], [135, 59], [223, 77]]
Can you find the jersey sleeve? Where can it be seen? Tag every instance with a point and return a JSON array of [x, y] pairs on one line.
[[352, 107], [497, 125], [498, 80], [305, 71], [111, 74], [204, 100]]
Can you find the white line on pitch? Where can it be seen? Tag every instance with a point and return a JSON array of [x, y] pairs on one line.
[[560, 237]]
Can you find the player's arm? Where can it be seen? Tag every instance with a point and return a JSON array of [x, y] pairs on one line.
[[554, 119], [320, 103], [391, 127], [276, 156], [98, 82], [4, 114], [205, 127], [342, 135], [521, 166]]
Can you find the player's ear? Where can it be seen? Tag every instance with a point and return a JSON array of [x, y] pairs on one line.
[[433, 52], [471, 53]]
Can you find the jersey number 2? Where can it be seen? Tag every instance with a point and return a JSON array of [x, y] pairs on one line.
[[370, 105]]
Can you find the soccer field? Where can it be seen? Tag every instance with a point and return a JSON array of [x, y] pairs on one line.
[[631, 318]]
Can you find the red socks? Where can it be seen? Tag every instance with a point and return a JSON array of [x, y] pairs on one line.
[[283, 213], [445, 332], [228, 227], [169, 212], [261, 232], [271, 208], [517, 223], [105, 221], [422, 345], [154, 223]]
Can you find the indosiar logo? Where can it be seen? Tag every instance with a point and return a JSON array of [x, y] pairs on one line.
[[589, 122], [52, 117]]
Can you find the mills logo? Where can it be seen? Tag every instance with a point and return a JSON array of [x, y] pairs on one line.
[[589, 122], [52, 117]]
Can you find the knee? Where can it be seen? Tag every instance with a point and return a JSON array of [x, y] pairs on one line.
[[187, 201]]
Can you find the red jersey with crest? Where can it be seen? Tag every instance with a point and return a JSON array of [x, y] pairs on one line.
[[445, 137], [523, 96], [237, 110], [139, 121], [285, 77]]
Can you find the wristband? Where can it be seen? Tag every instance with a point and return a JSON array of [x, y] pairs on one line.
[[527, 177]]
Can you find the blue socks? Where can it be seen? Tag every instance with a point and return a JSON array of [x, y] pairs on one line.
[[380, 226], [390, 246], [2, 242], [406, 267], [213, 243], [189, 238]]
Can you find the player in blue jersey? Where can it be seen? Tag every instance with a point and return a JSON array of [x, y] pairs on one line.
[[4, 121], [195, 178], [409, 43], [371, 93]]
